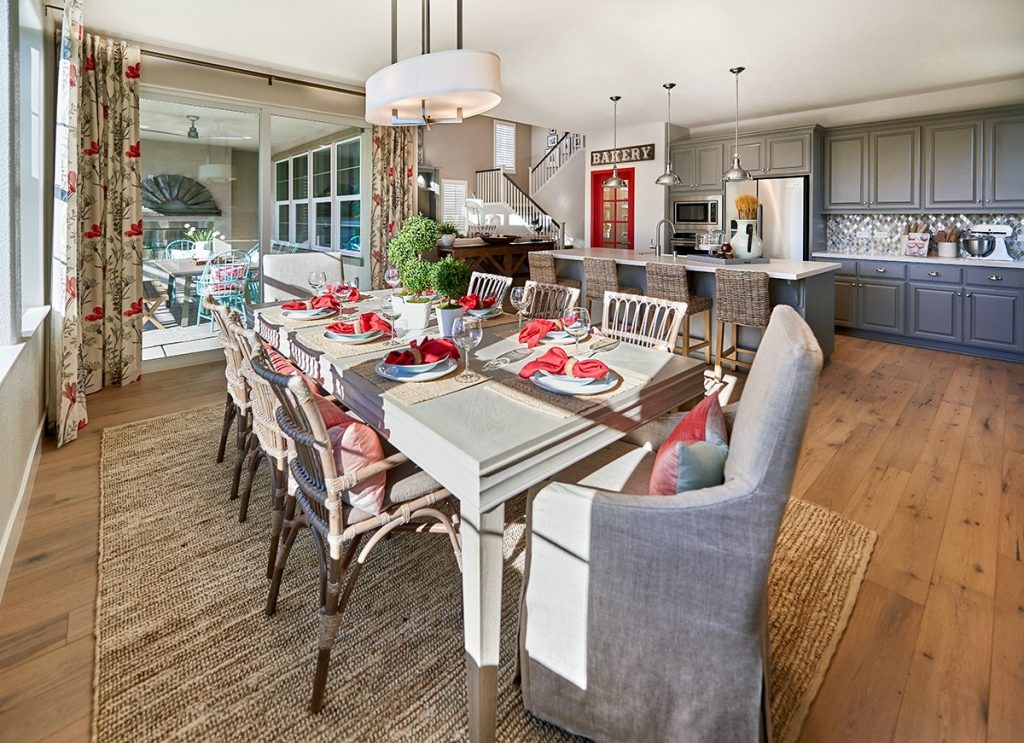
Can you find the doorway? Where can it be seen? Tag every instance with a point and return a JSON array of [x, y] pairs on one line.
[[611, 210]]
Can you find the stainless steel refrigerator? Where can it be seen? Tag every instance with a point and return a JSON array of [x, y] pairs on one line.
[[781, 214]]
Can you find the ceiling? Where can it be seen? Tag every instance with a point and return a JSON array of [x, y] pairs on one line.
[[561, 60]]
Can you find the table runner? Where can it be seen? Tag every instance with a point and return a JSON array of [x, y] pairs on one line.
[[411, 393]]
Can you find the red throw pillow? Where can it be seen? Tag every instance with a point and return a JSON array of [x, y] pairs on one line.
[[693, 456], [355, 446], [331, 413]]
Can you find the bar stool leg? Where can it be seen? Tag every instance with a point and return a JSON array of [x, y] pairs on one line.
[[719, 336], [707, 336]]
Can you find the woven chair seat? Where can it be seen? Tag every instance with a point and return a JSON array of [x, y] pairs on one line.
[[697, 303], [742, 298]]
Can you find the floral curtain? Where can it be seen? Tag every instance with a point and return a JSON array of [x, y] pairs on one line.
[[102, 337], [393, 188]]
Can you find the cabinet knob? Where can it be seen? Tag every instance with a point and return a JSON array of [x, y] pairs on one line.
[[978, 201], [995, 277], [880, 270], [959, 294], [933, 273], [968, 294]]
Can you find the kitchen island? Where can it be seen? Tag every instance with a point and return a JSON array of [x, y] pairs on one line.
[[804, 285]]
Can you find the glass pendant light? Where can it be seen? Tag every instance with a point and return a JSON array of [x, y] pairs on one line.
[[736, 172], [668, 178], [615, 181]]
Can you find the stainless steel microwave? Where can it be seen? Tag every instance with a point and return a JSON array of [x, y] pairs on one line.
[[703, 213]]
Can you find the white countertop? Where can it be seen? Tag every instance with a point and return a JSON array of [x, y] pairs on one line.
[[972, 262], [776, 269]]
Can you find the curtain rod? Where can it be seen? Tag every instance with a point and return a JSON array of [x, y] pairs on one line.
[[270, 77]]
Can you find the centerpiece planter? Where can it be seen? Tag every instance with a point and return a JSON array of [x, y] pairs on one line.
[[202, 249], [446, 317], [416, 312]]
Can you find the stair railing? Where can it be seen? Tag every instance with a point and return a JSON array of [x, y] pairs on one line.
[[556, 156], [495, 187]]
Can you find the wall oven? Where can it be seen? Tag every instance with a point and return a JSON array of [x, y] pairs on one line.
[[699, 213]]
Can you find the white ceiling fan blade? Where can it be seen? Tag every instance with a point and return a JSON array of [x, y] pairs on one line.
[[161, 131]]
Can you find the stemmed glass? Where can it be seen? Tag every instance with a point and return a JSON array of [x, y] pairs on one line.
[[390, 313], [467, 332], [317, 280], [517, 298], [391, 278], [576, 322]]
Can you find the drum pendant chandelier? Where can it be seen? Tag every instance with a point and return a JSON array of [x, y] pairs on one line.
[[433, 87]]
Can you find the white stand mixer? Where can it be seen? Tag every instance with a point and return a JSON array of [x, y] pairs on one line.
[[1001, 233]]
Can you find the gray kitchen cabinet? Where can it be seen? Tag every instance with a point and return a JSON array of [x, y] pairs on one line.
[[1004, 162], [788, 154], [684, 164], [709, 167], [934, 312], [993, 318], [752, 155], [880, 304], [953, 165], [846, 302], [846, 172], [894, 168]]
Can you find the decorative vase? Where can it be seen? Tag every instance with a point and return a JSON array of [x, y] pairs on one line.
[[416, 314], [202, 249], [446, 319], [448, 240], [739, 240]]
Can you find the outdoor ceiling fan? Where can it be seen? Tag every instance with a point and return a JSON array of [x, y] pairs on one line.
[[193, 132]]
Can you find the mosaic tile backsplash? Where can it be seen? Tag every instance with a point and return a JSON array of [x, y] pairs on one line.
[[879, 234]]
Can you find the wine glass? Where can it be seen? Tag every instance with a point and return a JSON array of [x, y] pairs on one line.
[[391, 278], [576, 322], [467, 332], [517, 298], [317, 280], [390, 313]]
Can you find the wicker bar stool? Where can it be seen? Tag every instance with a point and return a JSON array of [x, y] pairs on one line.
[[601, 275], [669, 281], [741, 299], [542, 270]]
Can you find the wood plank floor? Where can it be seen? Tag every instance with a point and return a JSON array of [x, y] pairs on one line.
[[927, 448]]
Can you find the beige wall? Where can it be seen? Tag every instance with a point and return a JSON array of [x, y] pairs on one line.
[[245, 195], [459, 150]]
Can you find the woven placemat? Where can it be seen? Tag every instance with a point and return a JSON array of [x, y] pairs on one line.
[[411, 393], [511, 385], [341, 350], [274, 316]]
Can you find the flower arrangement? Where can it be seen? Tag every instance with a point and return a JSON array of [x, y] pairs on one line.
[[202, 234], [746, 206], [450, 279]]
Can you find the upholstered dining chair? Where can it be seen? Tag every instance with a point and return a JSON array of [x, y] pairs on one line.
[[321, 495], [642, 321], [548, 300], [236, 408], [644, 617], [486, 285]]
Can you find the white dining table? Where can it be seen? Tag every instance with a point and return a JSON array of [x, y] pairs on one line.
[[487, 447]]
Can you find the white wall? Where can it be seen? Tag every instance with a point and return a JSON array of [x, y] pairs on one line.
[[564, 198]]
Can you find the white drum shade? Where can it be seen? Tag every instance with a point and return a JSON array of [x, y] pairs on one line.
[[447, 81]]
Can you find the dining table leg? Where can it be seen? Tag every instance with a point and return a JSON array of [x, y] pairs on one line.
[[482, 562], [186, 302]]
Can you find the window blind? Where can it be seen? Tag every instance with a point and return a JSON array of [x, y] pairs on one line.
[[505, 146], [453, 196]]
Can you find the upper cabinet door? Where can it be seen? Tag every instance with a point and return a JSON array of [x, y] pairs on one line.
[[709, 167], [788, 154], [952, 165], [684, 163], [752, 155], [846, 166], [1004, 162], [894, 168]]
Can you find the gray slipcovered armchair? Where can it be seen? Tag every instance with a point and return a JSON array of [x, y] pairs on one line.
[[643, 618]]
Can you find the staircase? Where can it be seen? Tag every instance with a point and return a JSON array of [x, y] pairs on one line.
[[494, 187], [553, 160]]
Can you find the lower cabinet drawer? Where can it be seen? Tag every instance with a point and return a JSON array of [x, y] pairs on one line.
[[881, 270], [999, 278], [938, 274]]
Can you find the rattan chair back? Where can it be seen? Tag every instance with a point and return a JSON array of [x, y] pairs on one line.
[[263, 400], [742, 297], [642, 321], [486, 285], [542, 267], [545, 300], [229, 327], [668, 281]]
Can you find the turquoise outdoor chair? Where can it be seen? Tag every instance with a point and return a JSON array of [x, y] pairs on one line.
[[179, 249], [224, 278], [254, 277]]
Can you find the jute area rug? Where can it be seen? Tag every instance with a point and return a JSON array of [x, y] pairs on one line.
[[184, 651]]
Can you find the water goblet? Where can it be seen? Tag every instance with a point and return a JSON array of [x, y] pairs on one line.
[[317, 280], [467, 332], [517, 298], [576, 322], [392, 278], [390, 313]]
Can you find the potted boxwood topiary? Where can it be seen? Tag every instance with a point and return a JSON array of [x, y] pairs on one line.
[[418, 235], [450, 279], [416, 278], [448, 234]]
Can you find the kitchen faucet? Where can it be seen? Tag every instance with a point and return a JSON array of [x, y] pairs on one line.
[[657, 237]]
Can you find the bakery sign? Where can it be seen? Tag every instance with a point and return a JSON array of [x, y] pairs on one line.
[[635, 154]]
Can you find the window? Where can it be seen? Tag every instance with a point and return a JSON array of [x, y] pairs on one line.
[[505, 146], [318, 195], [453, 193]]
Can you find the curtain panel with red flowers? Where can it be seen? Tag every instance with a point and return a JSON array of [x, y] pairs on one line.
[[393, 191], [102, 338]]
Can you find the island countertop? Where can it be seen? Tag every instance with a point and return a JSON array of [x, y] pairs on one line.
[[775, 268]]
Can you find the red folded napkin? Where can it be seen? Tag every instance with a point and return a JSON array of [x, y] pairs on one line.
[[557, 361], [368, 322], [344, 293], [534, 330], [324, 301], [425, 352], [473, 302]]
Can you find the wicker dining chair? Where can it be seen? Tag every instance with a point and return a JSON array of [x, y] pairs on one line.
[[642, 321], [542, 269], [236, 407], [337, 528], [486, 285], [741, 300], [548, 300], [669, 281], [601, 275]]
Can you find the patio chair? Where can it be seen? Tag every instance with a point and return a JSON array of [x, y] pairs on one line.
[[489, 285], [548, 300], [180, 249], [224, 278], [253, 286], [236, 409], [338, 529], [642, 321]]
